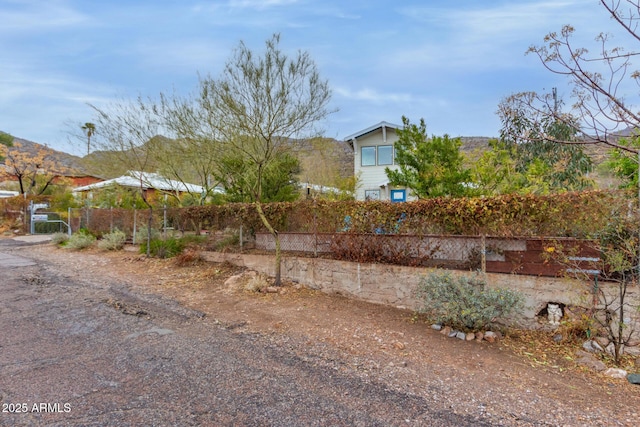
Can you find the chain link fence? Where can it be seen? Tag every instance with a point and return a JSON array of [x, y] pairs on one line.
[[335, 236], [129, 221]]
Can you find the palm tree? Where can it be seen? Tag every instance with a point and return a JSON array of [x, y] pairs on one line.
[[89, 130]]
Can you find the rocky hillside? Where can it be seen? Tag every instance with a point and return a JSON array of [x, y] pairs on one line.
[[70, 164], [334, 157]]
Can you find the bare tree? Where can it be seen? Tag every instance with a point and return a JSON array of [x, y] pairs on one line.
[[611, 310], [600, 79], [192, 152], [126, 127], [257, 106]]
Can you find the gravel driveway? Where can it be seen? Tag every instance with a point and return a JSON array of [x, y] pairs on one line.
[[74, 353], [104, 353]]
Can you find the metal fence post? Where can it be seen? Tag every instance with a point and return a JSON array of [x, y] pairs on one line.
[[315, 229], [135, 217]]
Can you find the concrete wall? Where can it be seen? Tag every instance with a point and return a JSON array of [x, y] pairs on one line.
[[394, 285]]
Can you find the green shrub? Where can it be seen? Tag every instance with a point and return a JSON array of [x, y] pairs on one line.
[[160, 248], [113, 241], [80, 240], [464, 303], [193, 239], [59, 238], [143, 233]]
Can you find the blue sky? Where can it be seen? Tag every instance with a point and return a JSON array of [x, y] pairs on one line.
[[447, 61]]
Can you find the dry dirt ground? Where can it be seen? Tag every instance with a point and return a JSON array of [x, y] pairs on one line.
[[531, 379]]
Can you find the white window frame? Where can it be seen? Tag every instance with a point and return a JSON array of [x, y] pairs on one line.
[[372, 194]]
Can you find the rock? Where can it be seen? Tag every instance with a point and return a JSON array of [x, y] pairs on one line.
[[490, 336], [271, 290], [446, 330], [633, 343], [461, 336], [436, 327], [470, 336], [588, 360], [592, 347], [581, 353], [248, 280], [611, 349], [558, 338], [616, 373], [632, 351], [452, 334], [603, 341], [233, 281], [634, 378], [479, 336]]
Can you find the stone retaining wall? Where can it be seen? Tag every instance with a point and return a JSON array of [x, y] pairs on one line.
[[395, 285]]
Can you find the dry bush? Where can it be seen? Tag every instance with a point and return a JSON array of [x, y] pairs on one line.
[[189, 257]]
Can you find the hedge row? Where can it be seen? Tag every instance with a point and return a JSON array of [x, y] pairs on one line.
[[579, 215]]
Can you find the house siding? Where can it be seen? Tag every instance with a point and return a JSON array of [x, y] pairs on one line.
[[372, 177]]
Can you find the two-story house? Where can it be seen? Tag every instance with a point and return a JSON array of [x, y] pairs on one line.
[[373, 152]]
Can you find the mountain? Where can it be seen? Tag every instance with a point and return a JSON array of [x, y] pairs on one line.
[[322, 159], [70, 165]]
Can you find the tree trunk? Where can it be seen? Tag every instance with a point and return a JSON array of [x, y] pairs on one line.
[[276, 236]]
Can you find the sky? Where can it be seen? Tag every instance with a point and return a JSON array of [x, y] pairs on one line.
[[450, 62]]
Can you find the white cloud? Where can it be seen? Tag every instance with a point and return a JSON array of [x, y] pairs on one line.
[[372, 95], [38, 16], [495, 36], [260, 4], [180, 56]]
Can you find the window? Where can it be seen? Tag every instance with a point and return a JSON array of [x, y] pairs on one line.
[[372, 195], [368, 157], [385, 154]]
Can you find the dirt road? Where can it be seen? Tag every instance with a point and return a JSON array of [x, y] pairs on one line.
[[112, 339]]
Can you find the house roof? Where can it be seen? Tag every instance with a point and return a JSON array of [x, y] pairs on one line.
[[145, 181], [5, 194], [371, 129]]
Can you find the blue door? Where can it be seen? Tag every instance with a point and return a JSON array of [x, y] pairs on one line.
[[399, 195]]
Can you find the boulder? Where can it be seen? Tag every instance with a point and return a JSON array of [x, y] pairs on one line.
[[588, 360], [592, 347], [634, 378], [616, 373], [490, 336]]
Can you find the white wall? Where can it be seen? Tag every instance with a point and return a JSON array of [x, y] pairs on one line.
[[372, 176]]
